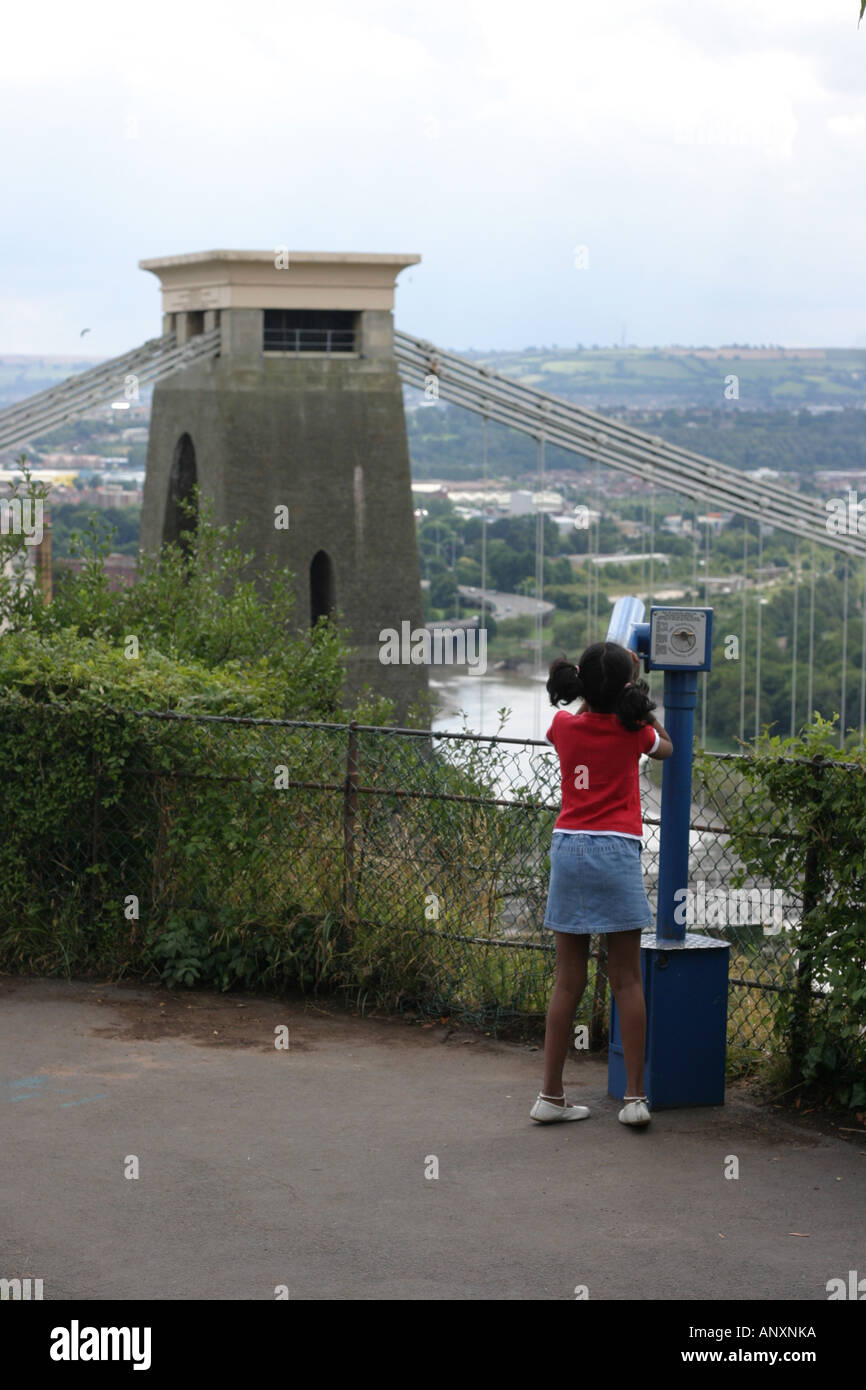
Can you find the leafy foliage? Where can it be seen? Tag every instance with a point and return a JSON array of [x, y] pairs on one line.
[[800, 823], [102, 808], [197, 609]]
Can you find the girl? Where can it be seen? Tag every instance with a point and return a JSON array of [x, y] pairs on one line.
[[596, 883]]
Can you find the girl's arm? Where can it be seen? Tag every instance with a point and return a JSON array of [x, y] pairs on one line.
[[665, 747]]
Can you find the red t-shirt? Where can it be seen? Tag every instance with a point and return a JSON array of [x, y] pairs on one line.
[[598, 757]]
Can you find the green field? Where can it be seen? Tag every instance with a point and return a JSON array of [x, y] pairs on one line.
[[642, 377]]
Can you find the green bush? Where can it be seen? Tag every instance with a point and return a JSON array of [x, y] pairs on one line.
[[103, 809], [799, 821]]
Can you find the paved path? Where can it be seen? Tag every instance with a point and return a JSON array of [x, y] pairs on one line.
[[306, 1167]]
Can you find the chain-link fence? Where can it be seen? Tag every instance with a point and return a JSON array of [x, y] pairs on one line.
[[406, 869], [409, 868], [798, 946], [756, 917]]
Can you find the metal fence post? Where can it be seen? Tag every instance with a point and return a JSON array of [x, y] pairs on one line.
[[803, 984], [350, 805], [94, 829]]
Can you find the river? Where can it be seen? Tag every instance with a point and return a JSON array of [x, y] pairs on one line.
[[462, 693], [479, 698]]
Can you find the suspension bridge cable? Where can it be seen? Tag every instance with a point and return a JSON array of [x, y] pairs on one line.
[[649, 533], [811, 666], [643, 535], [652, 537], [842, 699], [863, 664], [744, 626], [794, 635], [758, 625], [596, 505], [589, 568], [539, 579], [706, 605], [484, 422]]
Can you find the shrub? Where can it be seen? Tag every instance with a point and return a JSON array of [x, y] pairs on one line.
[[800, 822]]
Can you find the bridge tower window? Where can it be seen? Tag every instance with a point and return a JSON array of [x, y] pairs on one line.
[[310, 330]]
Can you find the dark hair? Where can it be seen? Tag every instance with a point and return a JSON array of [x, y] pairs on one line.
[[604, 677]]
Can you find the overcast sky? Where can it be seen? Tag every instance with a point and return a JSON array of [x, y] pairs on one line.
[[707, 157]]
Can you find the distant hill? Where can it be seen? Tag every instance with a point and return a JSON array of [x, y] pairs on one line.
[[631, 378], [24, 376], [446, 442], [658, 378]]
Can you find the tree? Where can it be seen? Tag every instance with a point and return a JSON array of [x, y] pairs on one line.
[[198, 619]]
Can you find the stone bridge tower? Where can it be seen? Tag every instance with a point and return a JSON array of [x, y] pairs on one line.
[[302, 409]]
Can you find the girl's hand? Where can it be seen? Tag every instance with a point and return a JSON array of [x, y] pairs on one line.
[[636, 661]]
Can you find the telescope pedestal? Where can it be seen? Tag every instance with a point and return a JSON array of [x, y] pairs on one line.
[[686, 990]]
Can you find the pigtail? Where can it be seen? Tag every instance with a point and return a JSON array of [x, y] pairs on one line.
[[633, 707], [564, 684]]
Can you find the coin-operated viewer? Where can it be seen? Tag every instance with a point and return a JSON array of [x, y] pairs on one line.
[[685, 973]]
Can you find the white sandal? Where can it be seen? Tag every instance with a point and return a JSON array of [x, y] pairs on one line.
[[635, 1111], [544, 1112]]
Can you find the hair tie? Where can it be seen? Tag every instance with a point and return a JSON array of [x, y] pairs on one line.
[[576, 669], [628, 685]]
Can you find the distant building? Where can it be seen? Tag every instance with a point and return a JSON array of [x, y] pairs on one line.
[[119, 569], [620, 558], [831, 479], [630, 529], [677, 525], [721, 584], [520, 503], [715, 521]]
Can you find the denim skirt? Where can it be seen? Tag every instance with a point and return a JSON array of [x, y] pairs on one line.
[[596, 885]]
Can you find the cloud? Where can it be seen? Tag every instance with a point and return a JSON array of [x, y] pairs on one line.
[[685, 143]]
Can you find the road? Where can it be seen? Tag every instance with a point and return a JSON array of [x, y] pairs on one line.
[[505, 605], [305, 1167]]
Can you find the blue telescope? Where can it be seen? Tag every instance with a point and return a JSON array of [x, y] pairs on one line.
[[685, 973]]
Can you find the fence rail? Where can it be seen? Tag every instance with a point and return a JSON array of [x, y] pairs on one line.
[[407, 866]]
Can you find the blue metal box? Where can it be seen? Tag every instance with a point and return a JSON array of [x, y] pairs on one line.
[[686, 988]]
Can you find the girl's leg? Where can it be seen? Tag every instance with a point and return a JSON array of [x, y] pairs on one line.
[[623, 968], [571, 958]]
